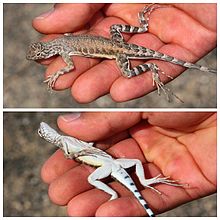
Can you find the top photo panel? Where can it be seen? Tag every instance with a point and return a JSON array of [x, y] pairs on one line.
[[110, 55]]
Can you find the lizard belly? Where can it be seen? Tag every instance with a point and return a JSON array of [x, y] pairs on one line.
[[90, 160]]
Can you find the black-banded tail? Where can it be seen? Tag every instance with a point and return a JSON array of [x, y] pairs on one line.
[[139, 52], [170, 59], [123, 177]]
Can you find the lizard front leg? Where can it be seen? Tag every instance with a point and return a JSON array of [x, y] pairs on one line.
[[51, 80], [117, 29], [100, 173], [127, 163]]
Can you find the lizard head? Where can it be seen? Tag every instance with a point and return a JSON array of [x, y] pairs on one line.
[[49, 134], [39, 50]]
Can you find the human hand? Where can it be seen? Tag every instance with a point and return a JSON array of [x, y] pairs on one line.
[[186, 31], [179, 145]]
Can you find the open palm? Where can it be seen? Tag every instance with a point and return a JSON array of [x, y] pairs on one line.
[[181, 31], [179, 145]]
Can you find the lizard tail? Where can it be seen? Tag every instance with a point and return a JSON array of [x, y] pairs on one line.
[[171, 59], [143, 202], [123, 177]]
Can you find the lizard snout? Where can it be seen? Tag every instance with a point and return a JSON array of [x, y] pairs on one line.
[[34, 51]]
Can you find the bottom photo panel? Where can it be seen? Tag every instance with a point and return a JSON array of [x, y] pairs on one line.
[[112, 164]]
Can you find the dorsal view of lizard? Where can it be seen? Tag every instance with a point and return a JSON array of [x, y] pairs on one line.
[[106, 165], [113, 48]]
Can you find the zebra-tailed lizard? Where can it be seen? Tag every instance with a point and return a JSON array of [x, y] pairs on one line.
[[84, 152], [114, 48]]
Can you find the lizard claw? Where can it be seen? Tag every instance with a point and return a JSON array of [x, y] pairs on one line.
[[50, 85], [51, 80], [160, 86], [168, 181]]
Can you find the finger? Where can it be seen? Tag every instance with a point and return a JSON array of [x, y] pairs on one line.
[[91, 126], [82, 206], [122, 207], [114, 139], [95, 82], [55, 166], [182, 121], [70, 184], [127, 148], [60, 18]]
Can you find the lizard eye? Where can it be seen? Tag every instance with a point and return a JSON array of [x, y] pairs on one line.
[[39, 132], [66, 150]]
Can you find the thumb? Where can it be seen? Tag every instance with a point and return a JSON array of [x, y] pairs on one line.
[[64, 18], [92, 126]]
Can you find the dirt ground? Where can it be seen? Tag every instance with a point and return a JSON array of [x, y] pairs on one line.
[[23, 85], [24, 153]]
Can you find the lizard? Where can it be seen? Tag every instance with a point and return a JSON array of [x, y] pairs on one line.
[[85, 152], [114, 48]]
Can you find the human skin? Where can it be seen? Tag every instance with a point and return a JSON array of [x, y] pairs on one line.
[[186, 31], [179, 145]]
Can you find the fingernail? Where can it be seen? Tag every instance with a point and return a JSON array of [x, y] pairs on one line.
[[71, 117], [46, 14]]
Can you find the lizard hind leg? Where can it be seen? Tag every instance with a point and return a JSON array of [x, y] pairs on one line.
[[128, 72], [139, 170], [100, 173]]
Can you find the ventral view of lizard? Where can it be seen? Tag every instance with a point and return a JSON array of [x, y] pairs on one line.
[[117, 48], [106, 165]]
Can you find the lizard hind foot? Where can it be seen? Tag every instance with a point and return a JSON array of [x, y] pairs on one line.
[[168, 181], [151, 7], [167, 92], [160, 85], [163, 180]]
